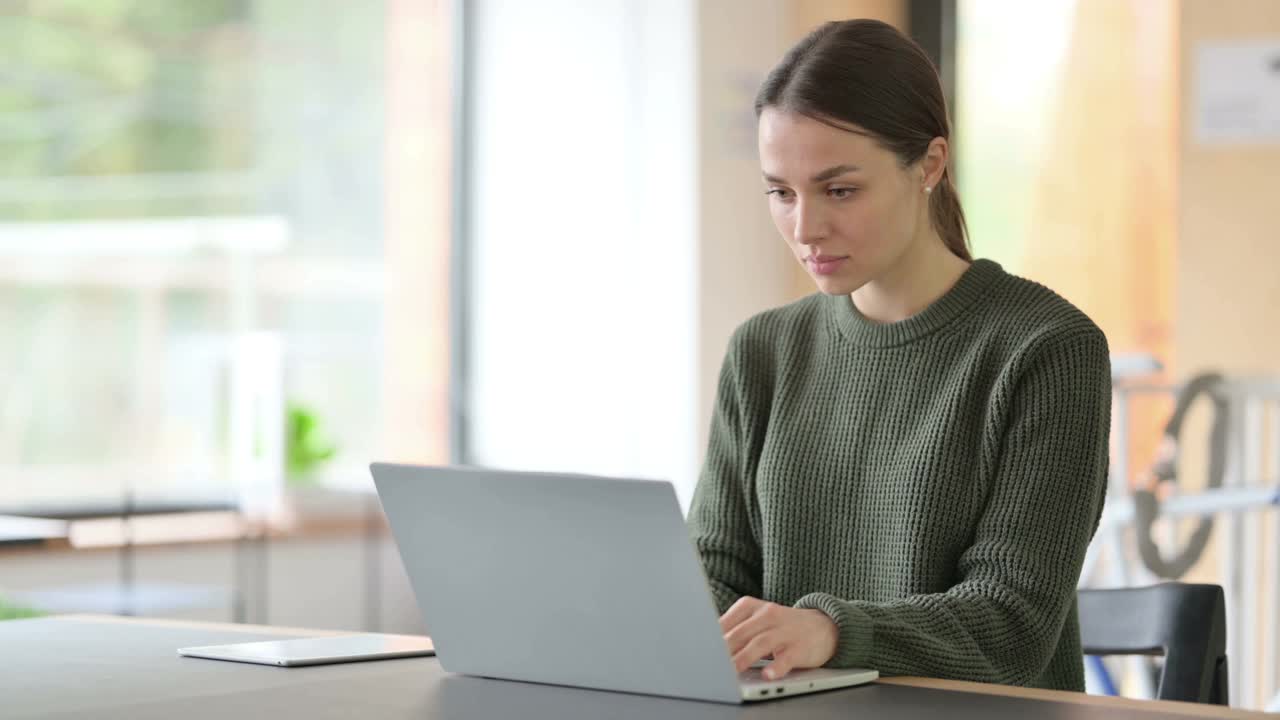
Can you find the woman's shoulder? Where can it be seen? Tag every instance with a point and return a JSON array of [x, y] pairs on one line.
[[792, 322], [776, 338], [1028, 316]]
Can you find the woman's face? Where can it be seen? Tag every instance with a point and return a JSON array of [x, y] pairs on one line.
[[844, 204]]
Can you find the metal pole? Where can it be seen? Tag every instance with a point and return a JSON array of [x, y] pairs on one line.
[[1270, 669], [1118, 485], [1231, 541], [460, 285], [1250, 531], [1136, 666]]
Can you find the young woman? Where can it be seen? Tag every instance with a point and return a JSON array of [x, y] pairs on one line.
[[905, 468]]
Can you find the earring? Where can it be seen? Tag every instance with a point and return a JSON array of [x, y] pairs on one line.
[[927, 189]]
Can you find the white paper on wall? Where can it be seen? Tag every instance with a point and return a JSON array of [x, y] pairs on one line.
[[1237, 92]]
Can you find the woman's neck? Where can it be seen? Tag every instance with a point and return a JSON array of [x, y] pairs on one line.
[[922, 275]]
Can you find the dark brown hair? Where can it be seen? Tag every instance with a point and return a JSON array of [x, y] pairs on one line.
[[868, 74]]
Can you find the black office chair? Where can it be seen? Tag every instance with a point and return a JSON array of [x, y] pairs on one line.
[[1185, 623]]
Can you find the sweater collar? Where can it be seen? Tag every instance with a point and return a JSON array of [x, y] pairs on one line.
[[972, 286]]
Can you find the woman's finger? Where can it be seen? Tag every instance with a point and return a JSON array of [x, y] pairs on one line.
[[745, 632], [764, 618], [744, 608], [759, 647], [782, 664]]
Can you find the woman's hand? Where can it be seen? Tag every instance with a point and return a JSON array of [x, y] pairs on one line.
[[797, 639]]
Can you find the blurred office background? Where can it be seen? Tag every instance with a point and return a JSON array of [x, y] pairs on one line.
[[249, 246]]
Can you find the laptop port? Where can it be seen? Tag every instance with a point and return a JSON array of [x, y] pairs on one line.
[[763, 693]]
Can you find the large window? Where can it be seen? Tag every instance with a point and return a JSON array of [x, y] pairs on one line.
[[581, 238], [197, 204]]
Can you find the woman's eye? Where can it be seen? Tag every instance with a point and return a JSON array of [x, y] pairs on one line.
[[841, 193], [779, 193]]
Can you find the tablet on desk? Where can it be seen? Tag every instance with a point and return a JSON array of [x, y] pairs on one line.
[[317, 651]]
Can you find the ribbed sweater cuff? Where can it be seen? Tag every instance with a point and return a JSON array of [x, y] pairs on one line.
[[853, 646]]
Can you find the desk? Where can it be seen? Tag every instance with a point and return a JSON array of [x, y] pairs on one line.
[[108, 668], [117, 549], [15, 530]]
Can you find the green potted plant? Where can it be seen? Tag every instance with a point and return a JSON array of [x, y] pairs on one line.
[[306, 448], [15, 612]]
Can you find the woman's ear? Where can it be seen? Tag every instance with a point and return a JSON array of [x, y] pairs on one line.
[[934, 162]]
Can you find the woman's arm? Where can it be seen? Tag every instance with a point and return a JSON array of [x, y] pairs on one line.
[[1002, 621], [719, 515]]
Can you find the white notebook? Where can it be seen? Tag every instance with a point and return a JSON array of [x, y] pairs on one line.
[[317, 651]]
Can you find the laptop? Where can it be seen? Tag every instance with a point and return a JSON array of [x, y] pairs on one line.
[[569, 580]]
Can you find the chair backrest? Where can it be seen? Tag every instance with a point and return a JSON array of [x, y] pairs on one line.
[[1185, 623]]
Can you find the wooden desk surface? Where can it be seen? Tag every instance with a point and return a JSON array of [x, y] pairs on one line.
[[96, 656]]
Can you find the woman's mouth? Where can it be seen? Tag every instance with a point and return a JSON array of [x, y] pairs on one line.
[[825, 264]]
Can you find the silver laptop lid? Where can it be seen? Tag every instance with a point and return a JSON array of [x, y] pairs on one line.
[[562, 579]]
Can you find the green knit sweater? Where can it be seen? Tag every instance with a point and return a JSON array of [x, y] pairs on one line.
[[930, 484]]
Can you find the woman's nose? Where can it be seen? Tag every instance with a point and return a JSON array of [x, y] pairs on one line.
[[811, 226]]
